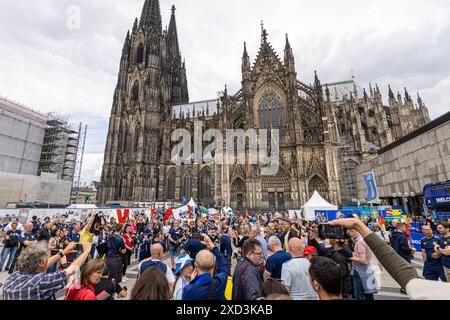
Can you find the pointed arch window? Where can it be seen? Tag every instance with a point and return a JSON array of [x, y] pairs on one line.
[[140, 54], [187, 185], [317, 184], [205, 186], [270, 109], [124, 138], [137, 134], [171, 186], [135, 91]]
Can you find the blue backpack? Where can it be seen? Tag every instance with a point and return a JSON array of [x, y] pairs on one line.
[[152, 265]]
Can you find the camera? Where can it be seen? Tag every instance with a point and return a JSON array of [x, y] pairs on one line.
[[79, 247], [332, 232]]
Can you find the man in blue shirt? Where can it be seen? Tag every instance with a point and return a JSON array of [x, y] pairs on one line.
[[175, 239], [443, 248], [433, 269], [116, 247], [225, 244], [399, 242], [12, 238], [275, 262], [25, 239], [207, 285]]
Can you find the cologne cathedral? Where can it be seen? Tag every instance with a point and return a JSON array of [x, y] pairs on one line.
[[325, 130]]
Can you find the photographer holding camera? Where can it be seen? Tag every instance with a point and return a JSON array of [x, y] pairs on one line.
[[402, 272]]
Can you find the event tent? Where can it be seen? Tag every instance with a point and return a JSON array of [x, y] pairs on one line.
[[316, 203]]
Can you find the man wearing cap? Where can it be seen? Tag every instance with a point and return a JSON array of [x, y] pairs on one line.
[[310, 252], [184, 269]]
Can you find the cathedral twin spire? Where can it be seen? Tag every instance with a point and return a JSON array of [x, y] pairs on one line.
[[151, 15]]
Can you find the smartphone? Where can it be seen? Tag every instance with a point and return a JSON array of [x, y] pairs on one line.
[[332, 232], [79, 247]]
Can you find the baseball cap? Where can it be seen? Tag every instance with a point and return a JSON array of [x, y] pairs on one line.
[[309, 250], [181, 261]]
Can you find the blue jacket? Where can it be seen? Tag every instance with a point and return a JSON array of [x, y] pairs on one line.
[[198, 288], [399, 243]]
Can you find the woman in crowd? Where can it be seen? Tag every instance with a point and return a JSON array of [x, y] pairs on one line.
[[53, 247], [380, 232], [152, 285], [110, 286], [128, 237], [184, 269], [90, 276]]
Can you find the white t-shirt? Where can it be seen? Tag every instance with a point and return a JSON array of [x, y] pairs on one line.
[[294, 274], [179, 287], [19, 227], [166, 230]]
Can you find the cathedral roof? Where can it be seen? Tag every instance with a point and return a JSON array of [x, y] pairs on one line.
[[339, 89], [209, 106]]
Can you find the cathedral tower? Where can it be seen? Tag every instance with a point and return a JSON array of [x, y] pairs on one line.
[[152, 77]]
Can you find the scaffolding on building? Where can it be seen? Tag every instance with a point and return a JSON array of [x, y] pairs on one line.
[[76, 185], [347, 163], [60, 148]]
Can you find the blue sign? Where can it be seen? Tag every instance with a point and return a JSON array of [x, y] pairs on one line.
[[415, 240], [372, 191]]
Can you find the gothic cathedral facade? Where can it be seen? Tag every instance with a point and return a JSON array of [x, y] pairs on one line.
[[325, 129]]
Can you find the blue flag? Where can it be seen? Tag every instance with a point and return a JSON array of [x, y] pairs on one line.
[[372, 191]]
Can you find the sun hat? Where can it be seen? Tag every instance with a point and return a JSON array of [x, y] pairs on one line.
[[181, 261]]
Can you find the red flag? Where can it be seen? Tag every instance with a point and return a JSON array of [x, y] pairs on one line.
[[169, 213], [153, 212], [123, 218]]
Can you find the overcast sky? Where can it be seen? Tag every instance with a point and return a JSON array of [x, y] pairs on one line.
[[50, 67]]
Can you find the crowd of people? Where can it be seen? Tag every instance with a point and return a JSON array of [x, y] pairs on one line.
[[237, 257]]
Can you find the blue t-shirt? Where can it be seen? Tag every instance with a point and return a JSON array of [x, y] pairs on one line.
[[443, 243], [73, 237], [175, 234], [115, 243], [275, 263], [24, 237], [158, 265], [225, 245], [193, 247], [428, 246], [14, 237]]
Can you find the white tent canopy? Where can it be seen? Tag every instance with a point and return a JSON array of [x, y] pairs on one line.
[[316, 203]]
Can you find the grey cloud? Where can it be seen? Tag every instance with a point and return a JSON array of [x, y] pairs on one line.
[[51, 68]]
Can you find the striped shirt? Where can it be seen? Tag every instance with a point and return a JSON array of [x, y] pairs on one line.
[[33, 286]]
